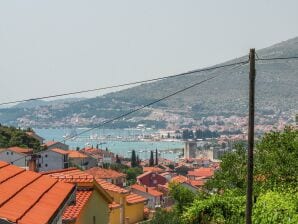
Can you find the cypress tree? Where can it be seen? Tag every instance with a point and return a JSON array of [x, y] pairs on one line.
[[156, 157], [151, 160], [133, 159]]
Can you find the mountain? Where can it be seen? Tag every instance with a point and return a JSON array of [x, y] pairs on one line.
[[276, 93]]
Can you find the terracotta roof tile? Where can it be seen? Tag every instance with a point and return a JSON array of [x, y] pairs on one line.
[[76, 154], [201, 172], [179, 179], [101, 173], [135, 199], [152, 169], [70, 175], [29, 198], [60, 151], [48, 205], [114, 205], [111, 187], [20, 150], [72, 212], [149, 190]]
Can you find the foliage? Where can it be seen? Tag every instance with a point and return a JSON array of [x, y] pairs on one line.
[[165, 217], [133, 159], [156, 157], [216, 208], [131, 172], [232, 173], [182, 196], [276, 207], [11, 136], [151, 160], [276, 159]]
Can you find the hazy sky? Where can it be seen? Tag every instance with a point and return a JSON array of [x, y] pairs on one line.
[[55, 46]]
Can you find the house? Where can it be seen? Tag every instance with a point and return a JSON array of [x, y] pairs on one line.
[[27, 197], [102, 156], [81, 160], [201, 173], [35, 136], [94, 205], [152, 169], [151, 179], [53, 145], [185, 182], [16, 155], [132, 205], [52, 159], [109, 175], [153, 196]]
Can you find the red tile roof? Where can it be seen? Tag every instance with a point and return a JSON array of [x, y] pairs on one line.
[[70, 175], [29, 198], [72, 212], [49, 143], [201, 172], [148, 190], [20, 150], [152, 169], [135, 199], [179, 179], [101, 173], [60, 151], [76, 154], [111, 187]]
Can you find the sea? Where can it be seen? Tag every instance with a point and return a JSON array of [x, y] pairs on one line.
[[118, 141]]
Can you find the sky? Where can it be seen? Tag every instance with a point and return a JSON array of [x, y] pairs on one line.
[[52, 46]]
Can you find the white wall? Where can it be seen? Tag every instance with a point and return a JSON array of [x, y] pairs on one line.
[[9, 156], [50, 161]]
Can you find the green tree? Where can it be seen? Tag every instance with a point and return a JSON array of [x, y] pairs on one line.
[[165, 217], [232, 173], [151, 160], [216, 209], [182, 196], [156, 157], [133, 159]]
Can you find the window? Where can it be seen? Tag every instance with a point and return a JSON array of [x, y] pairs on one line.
[[94, 220], [39, 165], [11, 162], [155, 181], [46, 165], [46, 155], [7, 153], [11, 153]]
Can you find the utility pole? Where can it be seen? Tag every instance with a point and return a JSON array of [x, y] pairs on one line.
[[251, 121]]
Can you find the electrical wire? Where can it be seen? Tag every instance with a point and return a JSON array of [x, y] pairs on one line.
[[122, 85], [147, 105]]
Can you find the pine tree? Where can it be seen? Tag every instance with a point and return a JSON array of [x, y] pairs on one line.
[[156, 157], [151, 160], [133, 159]]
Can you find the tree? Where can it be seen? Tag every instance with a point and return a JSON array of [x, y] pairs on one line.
[[216, 209], [118, 159], [156, 157], [182, 196], [276, 207], [151, 160], [232, 173], [165, 217], [133, 159], [276, 159]]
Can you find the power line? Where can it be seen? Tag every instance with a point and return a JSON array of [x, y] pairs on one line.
[[122, 85], [277, 58], [147, 105]]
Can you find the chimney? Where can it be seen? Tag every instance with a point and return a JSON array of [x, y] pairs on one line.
[[32, 165]]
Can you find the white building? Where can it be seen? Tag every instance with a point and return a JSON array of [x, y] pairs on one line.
[[16, 155], [52, 159]]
